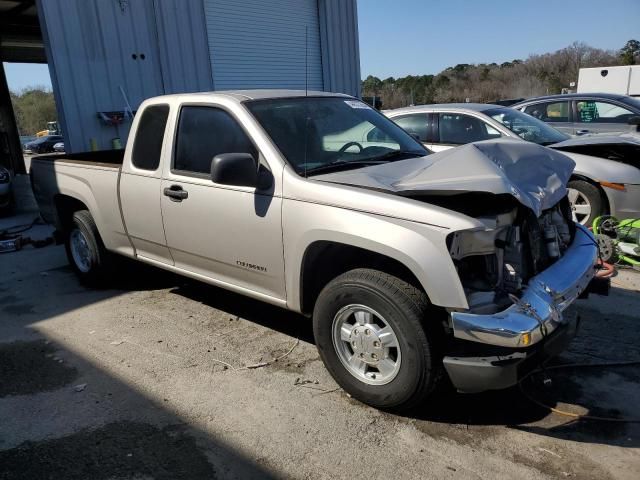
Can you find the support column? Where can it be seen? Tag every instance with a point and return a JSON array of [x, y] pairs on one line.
[[10, 147]]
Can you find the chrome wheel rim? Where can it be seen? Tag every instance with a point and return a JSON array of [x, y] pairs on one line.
[[366, 344], [80, 251], [580, 206]]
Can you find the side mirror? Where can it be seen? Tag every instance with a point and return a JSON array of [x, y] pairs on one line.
[[238, 169], [635, 120]]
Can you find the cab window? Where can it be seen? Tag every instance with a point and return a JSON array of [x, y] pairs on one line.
[[203, 133]]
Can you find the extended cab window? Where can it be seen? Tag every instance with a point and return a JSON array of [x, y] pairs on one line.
[[203, 133], [149, 135]]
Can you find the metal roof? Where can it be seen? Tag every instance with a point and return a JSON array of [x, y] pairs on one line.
[[260, 94], [20, 35]]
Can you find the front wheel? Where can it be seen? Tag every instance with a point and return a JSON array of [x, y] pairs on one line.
[[378, 338], [586, 202], [86, 253]]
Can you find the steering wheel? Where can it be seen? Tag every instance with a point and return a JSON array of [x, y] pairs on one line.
[[348, 145]]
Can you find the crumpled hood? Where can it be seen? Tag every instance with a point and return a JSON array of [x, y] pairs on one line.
[[536, 176]]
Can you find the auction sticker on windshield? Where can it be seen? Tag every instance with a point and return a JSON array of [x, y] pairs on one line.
[[356, 104]]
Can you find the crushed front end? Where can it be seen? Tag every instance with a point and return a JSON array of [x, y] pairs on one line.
[[520, 274]]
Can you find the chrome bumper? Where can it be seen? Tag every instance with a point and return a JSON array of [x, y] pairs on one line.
[[539, 311]]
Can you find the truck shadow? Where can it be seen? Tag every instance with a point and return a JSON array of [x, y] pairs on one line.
[[514, 409]]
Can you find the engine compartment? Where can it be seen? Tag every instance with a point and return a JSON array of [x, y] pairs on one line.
[[515, 246]]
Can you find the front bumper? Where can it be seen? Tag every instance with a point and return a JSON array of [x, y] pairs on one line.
[[473, 373], [539, 311]]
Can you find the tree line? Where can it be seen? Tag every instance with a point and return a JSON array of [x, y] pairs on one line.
[[537, 75], [33, 108]]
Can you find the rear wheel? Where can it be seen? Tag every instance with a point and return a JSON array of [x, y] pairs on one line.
[[586, 202], [86, 253], [375, 337]]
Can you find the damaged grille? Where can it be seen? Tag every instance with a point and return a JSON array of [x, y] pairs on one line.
[[522, 250], [532, 244]]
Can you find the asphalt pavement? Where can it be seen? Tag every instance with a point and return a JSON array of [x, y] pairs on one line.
[[163, 377]]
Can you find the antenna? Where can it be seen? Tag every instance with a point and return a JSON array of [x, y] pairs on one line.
[[306, 94]]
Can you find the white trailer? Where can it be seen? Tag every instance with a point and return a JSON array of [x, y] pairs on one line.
[[624, 80]]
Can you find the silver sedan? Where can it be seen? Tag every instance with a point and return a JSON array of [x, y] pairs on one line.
[[599, 185]]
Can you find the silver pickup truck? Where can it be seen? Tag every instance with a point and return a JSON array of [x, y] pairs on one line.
[[414, 267]]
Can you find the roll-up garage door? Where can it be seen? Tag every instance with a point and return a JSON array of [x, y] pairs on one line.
[[261, 44]]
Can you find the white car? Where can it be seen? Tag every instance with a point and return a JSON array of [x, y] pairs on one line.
[[58, 147], [598, 186]]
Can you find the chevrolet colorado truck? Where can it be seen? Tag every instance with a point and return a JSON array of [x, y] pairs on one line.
[[415, 267]]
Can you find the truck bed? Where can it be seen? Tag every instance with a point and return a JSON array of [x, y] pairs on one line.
[[90, 178], [103, 158]]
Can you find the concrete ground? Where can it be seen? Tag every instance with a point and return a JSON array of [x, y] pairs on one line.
[[147, 380]]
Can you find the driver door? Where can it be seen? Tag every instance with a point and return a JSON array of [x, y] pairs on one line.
[[229, 234]]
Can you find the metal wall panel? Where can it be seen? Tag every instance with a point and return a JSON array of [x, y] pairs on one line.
[[184, 52], [261, 44], [340, 46], [188, 45], [96, 47]]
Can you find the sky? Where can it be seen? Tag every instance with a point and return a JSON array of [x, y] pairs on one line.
[[22, 75], [418, 37]]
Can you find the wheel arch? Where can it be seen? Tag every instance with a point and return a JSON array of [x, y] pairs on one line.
[[66, 206], [316, 273], [606, 201]]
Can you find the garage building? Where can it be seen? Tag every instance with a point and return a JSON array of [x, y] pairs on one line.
[[106, 56]]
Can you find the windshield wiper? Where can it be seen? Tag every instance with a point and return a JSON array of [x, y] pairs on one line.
[[340, 165], [384, 158], [398, 153]]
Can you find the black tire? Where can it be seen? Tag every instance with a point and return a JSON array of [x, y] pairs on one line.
[[593, 196], [407, 310], [99, 259]]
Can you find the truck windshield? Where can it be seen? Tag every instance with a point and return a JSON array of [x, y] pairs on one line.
[[319, 134], [527, 127]]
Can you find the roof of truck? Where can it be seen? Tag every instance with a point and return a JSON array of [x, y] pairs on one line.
[[261, 94]]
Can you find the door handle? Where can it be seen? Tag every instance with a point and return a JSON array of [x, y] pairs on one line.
[[582, 132], [175, 193]]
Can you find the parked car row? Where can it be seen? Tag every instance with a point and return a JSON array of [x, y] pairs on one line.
[[583, 113], [45, 144], [606, 179]]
